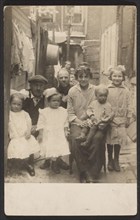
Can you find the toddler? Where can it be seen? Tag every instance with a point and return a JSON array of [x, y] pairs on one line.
[[22, 144], [99, 113], [53, 130]]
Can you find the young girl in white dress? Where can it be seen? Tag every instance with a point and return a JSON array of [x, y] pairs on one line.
[[53, 130], [22, 144]]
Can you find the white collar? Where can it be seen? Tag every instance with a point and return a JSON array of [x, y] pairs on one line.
[[113, 86], [79, 88], [32, 96]]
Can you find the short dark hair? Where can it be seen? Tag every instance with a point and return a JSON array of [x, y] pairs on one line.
[[83, 69]]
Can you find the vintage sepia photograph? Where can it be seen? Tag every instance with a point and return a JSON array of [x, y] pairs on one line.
[[70, 108]]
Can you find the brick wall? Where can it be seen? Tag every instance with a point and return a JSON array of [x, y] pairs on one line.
[[94, 22]]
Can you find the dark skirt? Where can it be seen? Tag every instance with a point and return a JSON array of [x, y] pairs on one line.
[[90, 158]]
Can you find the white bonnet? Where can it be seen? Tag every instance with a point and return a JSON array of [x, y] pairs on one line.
[[50, 92]]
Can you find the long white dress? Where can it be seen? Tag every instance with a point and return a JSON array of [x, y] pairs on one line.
[[53, 121], [19, 147]]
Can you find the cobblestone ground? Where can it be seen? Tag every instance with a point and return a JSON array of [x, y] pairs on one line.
[[128, 172]]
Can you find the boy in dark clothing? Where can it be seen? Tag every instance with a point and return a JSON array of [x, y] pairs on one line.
[[32, 103]]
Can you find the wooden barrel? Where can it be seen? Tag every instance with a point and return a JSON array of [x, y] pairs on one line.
[[52, 54]]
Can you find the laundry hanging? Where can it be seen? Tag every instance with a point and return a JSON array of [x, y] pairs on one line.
[[22, 57]]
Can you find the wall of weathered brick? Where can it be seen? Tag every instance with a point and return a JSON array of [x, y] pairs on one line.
[[92, 43], [128, 40], [94, 22]]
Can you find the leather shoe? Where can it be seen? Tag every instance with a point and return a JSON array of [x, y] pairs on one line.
[[30, 170], [82, 178], [88, 178], [85, 177], [110, 165], [116, 165], [55, 167], [62, 164], [45, 165]]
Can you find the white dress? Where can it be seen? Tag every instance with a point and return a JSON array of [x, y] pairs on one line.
[[53, 121], [19, 147]]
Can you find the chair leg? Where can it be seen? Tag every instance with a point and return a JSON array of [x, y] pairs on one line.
[[104, 159], [105, 164], [71, 159]]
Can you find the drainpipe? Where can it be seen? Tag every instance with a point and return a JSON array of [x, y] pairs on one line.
[[119, 24], [68, 41]]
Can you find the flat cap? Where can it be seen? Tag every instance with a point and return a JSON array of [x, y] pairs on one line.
[[38, 78]]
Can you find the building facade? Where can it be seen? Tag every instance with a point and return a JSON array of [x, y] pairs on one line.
[[118, 38], [82, 25]]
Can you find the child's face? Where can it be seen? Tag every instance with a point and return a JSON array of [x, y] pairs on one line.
[[54, 101], [16, 105], [68, 65], [72, 71], [72, 77], [102, 96], [117, 78]]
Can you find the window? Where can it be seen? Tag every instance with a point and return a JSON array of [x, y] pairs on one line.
[[75, 13], [77, 17]]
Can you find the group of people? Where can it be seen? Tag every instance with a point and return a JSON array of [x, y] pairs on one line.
[[75, 120]]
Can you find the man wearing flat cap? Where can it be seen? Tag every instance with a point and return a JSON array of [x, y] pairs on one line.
[[33, 102]]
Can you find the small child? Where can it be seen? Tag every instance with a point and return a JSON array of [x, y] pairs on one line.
[[73, 80], [53, 130], [100, 114], [22, 144], [119, 98]]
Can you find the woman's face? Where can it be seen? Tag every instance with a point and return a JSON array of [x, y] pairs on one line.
[[117, 78], [83, 79]]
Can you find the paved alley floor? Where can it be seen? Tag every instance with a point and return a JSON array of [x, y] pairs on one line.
[[128, 172]]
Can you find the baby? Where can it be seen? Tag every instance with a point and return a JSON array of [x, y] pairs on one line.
[[99, 114]]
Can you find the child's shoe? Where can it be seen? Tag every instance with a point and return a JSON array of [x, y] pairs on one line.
[[110, 165], [63, 165], [55, 167], [116, 165], [30, 170], [45, 165], [116, 157]]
